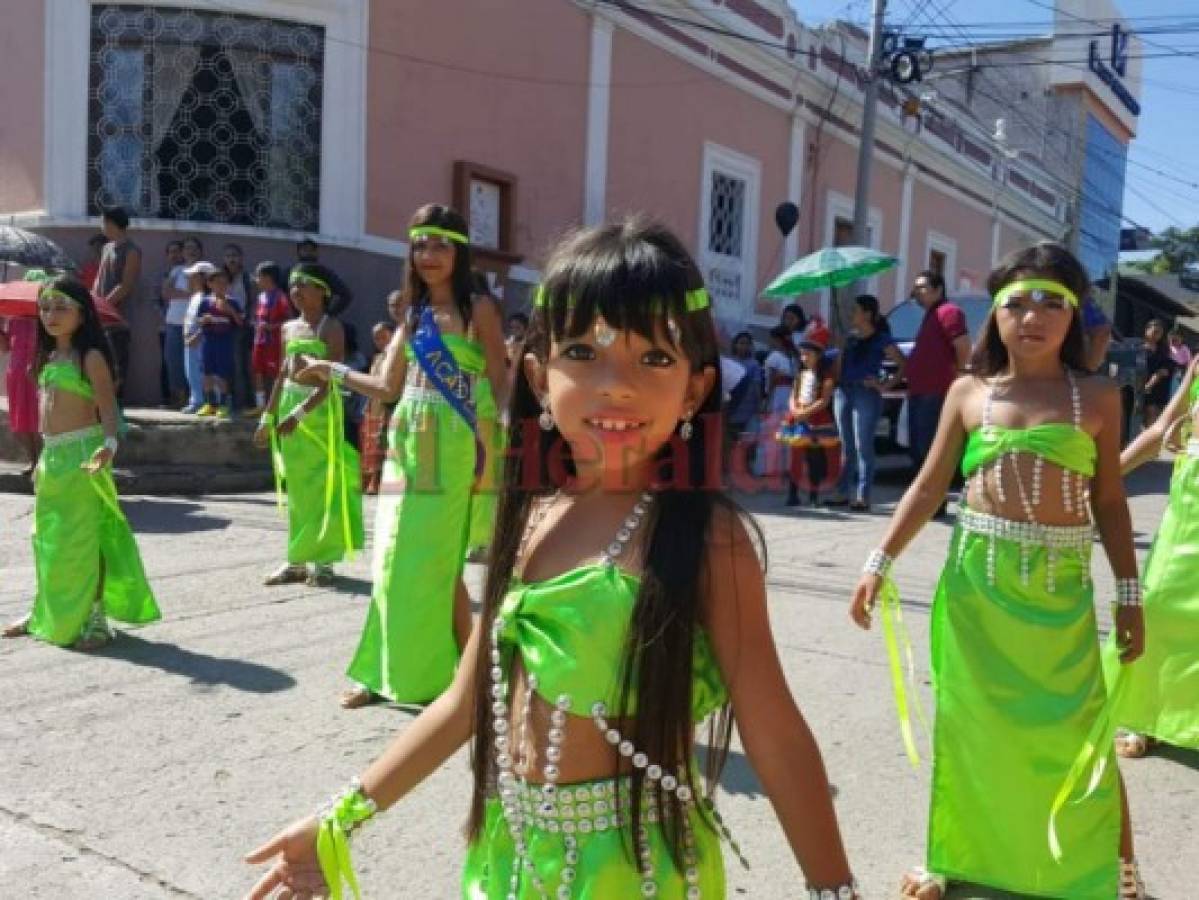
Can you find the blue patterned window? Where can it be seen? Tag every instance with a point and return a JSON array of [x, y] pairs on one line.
[[1102, 202], [205, 116]]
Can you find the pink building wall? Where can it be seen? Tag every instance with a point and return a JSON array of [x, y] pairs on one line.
[[22, 86], [662, 111], [421, 117], [968, 227]]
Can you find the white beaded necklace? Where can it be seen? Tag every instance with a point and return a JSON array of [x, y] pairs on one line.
[[578, 810]]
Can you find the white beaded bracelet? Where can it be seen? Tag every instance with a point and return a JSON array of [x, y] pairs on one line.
[[1128, 592], [339, 371], [879, 563], [848, 891], [111, 444]]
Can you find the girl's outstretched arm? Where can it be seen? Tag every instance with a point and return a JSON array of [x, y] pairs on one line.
[[411, 757], [1148, 443], [925, 495], [778, 741], [100, 376], [386, 385], [1110, 507]]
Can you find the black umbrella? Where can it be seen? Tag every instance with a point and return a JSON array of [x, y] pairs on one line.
[[25, 248]]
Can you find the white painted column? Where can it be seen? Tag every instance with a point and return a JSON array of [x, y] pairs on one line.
[[68, 56], [795, 171], [599, 92], [905, 230]]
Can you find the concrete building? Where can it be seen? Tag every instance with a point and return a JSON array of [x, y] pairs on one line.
[[266, 121]]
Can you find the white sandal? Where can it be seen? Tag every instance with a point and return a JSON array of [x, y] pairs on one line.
[[1131, 886], [923, 878]]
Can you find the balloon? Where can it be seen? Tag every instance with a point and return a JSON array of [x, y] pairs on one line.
[[786, 216]]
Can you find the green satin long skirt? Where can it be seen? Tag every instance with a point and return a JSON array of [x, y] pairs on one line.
[[1161, 697], [1019, 687], [604, 869], [324, 488], [80, 538], [407, 652]]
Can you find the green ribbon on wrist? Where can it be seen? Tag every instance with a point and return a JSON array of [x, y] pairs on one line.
[[333, 840]]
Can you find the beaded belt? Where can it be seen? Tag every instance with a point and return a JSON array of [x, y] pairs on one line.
[[582, 808], [1056, 537], [70, 437], [420, 394], [1029, 536], [1193, 448]]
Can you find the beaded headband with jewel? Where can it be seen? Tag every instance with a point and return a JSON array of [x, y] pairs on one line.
[[433, 231], [1039, 289], [301, 278], [54, 294], [696, 300]]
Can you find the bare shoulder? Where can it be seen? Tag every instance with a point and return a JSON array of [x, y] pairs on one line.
[[485, 308], [95, 365], [732, 537], [966, 397], [1098, 389]]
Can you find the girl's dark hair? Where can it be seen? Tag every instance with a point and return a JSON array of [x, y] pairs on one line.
[[823, 364], [798, 311], [1043, 260], [88, 336], [416, 292], [340, 297], [270, 270], [635, 274], [782, 334], [856, 348]]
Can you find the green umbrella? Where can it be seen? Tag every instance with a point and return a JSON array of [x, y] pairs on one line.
[[830, 267]]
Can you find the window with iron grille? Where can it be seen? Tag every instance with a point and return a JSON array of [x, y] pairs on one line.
[[205, 116], [727, 219]]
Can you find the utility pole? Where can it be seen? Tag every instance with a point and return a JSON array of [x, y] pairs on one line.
[[861, 201]]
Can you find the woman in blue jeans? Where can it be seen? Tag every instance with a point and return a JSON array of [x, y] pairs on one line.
[[859, 399]]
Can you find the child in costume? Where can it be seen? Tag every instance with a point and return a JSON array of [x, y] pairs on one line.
[[219, 318], [305, 427], [270, 313], [372, 433], [87, 563], [808, 429], [419, 617], [623, 605], [1160, 702], [1025, 797]]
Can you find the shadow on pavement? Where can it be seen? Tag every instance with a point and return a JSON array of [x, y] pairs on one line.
[[150, 516], [348, 584], [1180, 755], [201, 668], [1151, 478]]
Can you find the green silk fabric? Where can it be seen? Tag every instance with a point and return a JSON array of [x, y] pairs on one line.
[[605, 869], [64, 376], [82, 544], [1019, 693], [571, 630], [321, 473], [423, 522], [1058, 442], [1161, 698]]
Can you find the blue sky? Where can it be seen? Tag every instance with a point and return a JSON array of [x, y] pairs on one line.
[[1168, 135]]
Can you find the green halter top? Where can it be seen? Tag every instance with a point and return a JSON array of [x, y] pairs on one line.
[[65, 376], [1064, 444], [571, 629], [467, 353], [311, 346]]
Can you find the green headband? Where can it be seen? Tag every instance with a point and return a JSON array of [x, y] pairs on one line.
[[430, 230], [301, 278], [52, 293], [1035, 285], [696, 299]]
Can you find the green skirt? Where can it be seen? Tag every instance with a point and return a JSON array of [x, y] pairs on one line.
[[82, 545], [604, 868], [1161, 697], [323, 483], [408, 652], [1020, 693]]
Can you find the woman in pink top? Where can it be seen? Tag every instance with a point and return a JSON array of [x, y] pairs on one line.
[[19, 338]]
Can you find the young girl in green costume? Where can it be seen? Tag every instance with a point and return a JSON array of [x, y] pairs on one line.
[[441, 365], [625, 603], [87, 563], [1025, 795], [1160, 702], [304, 424]]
